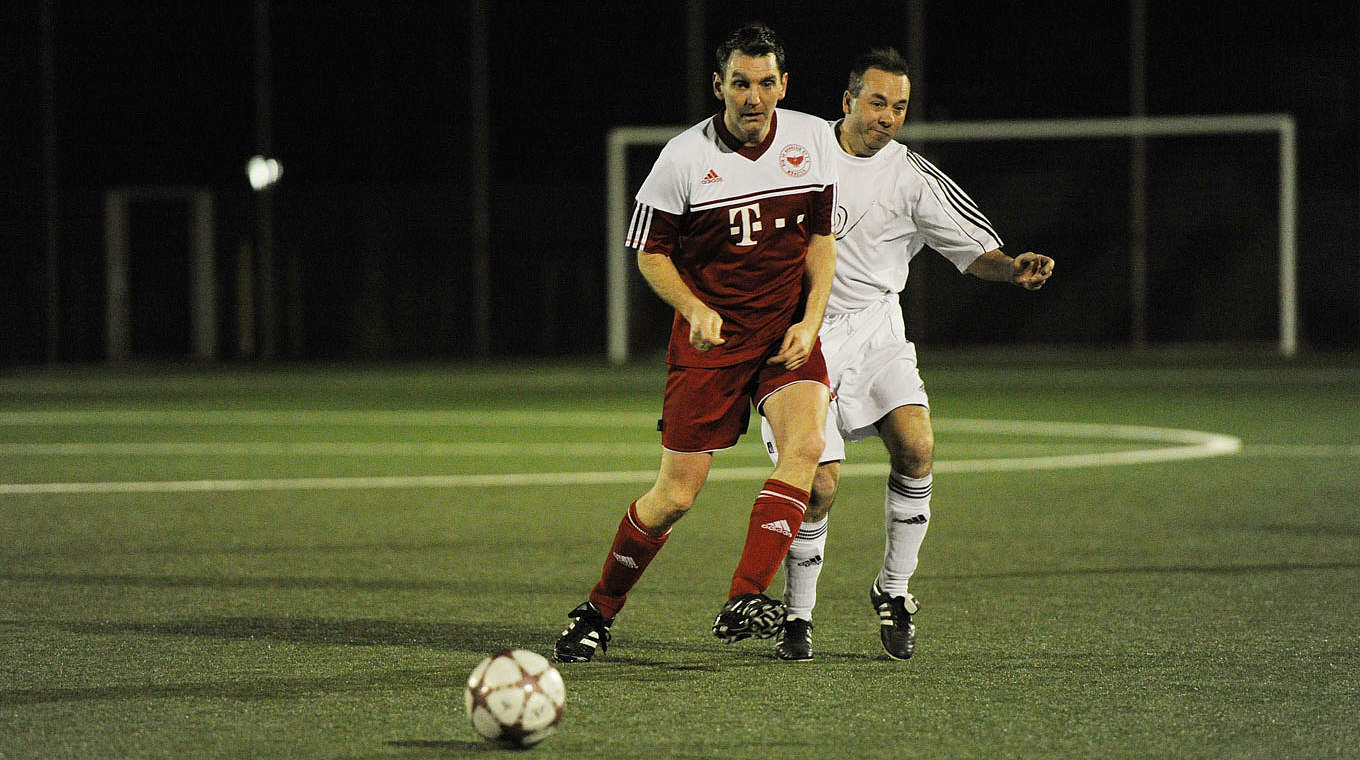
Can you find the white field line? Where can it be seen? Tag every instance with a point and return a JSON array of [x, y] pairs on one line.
[[1192, 444], [305, 417], [327, 448], [501, 449], [1292, 451], [362, 449], [337, 484]]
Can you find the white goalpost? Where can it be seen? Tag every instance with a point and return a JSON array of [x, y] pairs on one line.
[[620, 261]]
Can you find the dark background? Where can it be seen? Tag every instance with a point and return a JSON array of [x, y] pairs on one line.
[[372, 116]]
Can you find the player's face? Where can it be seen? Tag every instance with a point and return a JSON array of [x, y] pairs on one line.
[[749, 89], [873, 117]]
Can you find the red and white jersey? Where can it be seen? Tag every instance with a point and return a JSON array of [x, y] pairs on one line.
[[736, 222], [890, 205]]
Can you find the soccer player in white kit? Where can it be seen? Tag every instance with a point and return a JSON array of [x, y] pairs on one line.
[[891, 203]]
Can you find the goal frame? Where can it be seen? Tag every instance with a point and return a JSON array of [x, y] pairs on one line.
[[619, 263], [117, 267]]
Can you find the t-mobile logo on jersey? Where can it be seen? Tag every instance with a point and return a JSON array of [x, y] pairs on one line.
[[750, 222]]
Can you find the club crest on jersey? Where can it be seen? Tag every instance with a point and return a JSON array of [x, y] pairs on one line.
[[795, 160]]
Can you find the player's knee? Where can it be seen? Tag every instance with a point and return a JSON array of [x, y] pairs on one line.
[[674, 504], [807, 447], [914, 458], [661, 508]]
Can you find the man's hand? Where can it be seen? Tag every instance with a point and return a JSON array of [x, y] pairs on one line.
[[797, 346], [1031, 270], [705, 328]]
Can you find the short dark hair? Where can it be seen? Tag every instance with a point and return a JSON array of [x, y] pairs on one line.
[[755, 39], [883, 59]]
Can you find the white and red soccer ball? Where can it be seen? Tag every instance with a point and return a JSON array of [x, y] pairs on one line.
[[515, 697]]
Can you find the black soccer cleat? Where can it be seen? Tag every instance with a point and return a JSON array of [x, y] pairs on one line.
[[895, 628], [748, 615], [794, 641], [587, 632]]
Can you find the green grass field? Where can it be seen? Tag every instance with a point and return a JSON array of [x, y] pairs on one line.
[[307, 562]]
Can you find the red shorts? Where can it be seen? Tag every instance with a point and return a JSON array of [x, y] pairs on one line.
[[708, 408]]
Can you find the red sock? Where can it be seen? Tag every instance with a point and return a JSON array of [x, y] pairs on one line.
[[632, 551], [775, 519]]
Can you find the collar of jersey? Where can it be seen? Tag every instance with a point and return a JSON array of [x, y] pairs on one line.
[[751, 152], [840, 149]]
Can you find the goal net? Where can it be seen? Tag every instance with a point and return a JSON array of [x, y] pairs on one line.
[[1197, 246]]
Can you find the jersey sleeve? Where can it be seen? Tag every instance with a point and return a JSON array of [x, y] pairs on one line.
[[661, 203], [950, 221], [653, 230], [823, 211], [824, 204]]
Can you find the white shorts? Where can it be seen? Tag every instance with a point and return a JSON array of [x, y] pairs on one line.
[[873, 371]]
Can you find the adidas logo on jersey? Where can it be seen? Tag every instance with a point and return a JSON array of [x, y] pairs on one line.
[[625, 561], [779, 526], [710, 178]]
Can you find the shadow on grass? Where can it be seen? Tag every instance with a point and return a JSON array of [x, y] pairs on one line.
[[244, 582], [643, 660], [1327, 531], [291, 551], [467, 637], [474, 638], [254, 689], [646, 660], [1275, 567], [448, 746]]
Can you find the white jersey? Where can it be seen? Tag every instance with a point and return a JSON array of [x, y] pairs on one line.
[[890, 206]]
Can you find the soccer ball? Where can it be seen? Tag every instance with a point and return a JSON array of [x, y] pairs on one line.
[[515, 697]]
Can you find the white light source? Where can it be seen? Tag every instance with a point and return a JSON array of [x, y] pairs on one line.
[[263, 172]]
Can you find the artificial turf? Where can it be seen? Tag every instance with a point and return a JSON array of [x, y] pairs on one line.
[[1203, 608]]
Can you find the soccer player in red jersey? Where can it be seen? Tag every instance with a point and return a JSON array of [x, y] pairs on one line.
[[733, 230]]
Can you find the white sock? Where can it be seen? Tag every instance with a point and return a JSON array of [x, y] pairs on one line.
[[906, 517], [802, 565]]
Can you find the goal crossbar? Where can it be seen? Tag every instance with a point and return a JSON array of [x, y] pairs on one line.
[[619, 262]]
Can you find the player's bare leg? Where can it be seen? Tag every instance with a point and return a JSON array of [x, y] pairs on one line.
[[797, 416], [678, 482], [640, 535], [824, 486], [907, 433]]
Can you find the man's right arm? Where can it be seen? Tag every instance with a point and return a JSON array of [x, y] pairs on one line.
[[705, 324], [1029, 270]]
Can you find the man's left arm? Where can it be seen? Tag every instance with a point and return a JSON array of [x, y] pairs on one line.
[[819, 269], [1028, 270]]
